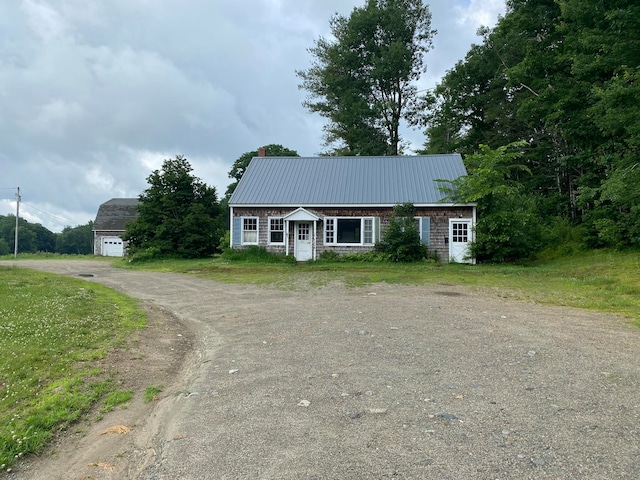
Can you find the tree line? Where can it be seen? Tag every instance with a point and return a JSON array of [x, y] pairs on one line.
[[33, 238], [563, 77]]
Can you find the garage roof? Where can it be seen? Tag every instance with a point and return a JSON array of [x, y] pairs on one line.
[[114, 215]]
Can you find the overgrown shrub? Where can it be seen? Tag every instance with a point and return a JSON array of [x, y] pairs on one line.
[[401, 240], [225, 241]]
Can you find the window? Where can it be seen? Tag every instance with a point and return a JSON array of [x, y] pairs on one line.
[[460, 232], [368, 230], [329, 231], [276, 230], [304, 231], [349, 231], [250, 230]]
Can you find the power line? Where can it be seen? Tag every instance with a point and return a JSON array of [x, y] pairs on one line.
[[46, 213]]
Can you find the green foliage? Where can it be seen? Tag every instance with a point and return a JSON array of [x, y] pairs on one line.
[[76, 240], [225, 241], [363, 80], [564, 76], [401, 240], [151, 393], [329, 256], [256, 254], [240, 165], [179, 215], [32, 237], [53, 331], [116, 398], [508, 226], [4, 247]]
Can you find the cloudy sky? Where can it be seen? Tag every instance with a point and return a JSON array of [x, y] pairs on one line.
[[94, 95]]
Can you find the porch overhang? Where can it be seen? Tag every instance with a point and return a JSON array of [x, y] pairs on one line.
[[301, 215]]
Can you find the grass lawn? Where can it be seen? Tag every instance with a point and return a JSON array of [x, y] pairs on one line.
[[52, 332]]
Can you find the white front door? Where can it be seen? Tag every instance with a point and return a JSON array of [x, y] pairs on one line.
[[304, 245], [459, 239]]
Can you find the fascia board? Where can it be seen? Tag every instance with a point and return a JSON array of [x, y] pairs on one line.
[[351, 205]]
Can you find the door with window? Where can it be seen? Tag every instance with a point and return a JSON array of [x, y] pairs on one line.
[[459, 239], [304, 241]]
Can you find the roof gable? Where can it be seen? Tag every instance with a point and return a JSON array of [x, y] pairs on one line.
[[115, 214], [387, 180], [300, 214]]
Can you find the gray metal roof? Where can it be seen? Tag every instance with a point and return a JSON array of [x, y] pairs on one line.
[[346, 180], [115, 214]]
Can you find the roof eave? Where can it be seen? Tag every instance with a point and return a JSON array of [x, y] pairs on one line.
[[345, 205]]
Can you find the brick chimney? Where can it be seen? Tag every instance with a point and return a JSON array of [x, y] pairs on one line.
[[262, 152]]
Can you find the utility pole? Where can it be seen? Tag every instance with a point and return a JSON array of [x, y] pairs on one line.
[[15, 246]]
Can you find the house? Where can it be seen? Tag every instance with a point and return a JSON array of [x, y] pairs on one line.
[[110, 224], [304, 206]]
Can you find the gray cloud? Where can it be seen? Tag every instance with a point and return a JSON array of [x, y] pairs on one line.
[[94, 95]]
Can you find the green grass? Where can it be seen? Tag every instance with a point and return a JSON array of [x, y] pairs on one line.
[[53, 330], [603, 280], [116, 398], [151, 393]]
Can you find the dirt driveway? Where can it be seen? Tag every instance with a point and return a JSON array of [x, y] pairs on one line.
[[378, 382]]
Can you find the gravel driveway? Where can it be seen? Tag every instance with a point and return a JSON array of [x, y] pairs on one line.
[[385, 381]]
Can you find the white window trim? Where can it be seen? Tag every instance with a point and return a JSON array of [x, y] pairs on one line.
[[335, 232], [257, 242], [269, 233]]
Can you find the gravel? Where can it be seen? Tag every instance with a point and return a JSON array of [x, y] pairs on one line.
[[387, 381]]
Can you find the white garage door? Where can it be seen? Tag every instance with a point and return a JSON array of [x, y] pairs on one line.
[[112, 247]]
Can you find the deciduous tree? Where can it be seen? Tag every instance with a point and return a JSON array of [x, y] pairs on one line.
[[240, 165], [363, 80], [76, 240], [508, 227]]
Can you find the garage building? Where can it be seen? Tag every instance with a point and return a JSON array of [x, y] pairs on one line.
[[110, 225]]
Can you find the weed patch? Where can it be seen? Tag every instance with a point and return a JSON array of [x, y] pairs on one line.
[[151, 393]]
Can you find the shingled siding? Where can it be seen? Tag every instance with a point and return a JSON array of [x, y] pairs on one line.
[[439, 226]]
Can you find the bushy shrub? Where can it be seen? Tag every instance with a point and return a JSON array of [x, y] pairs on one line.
[[401, 240], [225, 241]]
